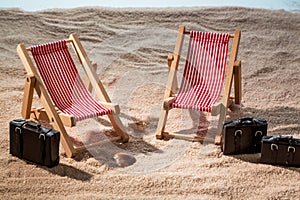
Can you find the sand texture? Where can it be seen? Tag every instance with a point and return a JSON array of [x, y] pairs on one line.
[[130, 47]]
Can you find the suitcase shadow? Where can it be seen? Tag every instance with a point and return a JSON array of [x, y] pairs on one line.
[[69, 171], [251, 158], [255, 158]]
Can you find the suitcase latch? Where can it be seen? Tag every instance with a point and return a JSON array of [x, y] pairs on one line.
[[258, 133], [274, 147], [238, 133], [42, 135], [291, 149], [18, 130]]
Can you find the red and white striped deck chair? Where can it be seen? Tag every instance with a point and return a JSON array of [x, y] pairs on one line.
[[64, 95], [203, 78]]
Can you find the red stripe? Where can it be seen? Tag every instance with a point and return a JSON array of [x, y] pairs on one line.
[[204, 71], [63, 82]]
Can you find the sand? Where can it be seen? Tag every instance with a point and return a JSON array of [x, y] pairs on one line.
[[130, 47]]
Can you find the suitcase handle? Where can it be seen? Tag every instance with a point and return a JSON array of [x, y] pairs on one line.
[[246, 119], [32, 125]]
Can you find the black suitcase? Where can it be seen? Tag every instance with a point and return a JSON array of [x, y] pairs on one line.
[[34, 143], [280, 150], [243, 135]]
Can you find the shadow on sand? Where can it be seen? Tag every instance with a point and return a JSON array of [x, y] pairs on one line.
[[281, 120]]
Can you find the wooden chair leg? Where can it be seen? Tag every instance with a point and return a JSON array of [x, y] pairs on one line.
[[118, 126], [237, 82], [28, 96], [222, 118], [162, 123], [65, 139]]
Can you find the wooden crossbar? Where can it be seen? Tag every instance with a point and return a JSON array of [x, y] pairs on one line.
[[188, 32], [68, 41], [187, 137]]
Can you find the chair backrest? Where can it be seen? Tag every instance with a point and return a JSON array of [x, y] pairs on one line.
[[62, 81], [204, 71]]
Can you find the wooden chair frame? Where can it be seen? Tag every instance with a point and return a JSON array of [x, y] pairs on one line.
[[49, 112], [233, 73]]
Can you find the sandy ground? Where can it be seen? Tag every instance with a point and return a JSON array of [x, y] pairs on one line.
[[130, 47]]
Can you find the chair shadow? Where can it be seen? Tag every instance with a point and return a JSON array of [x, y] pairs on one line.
[[200, 127], [140, 128], [107, 151], [281, 120]]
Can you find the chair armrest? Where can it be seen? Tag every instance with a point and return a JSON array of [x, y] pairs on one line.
[[115, 107]]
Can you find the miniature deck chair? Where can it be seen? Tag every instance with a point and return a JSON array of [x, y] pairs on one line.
[[65, 97], [203, 78]]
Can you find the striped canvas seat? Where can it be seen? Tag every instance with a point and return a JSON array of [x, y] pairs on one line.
[[204, 71], [63, 83]]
